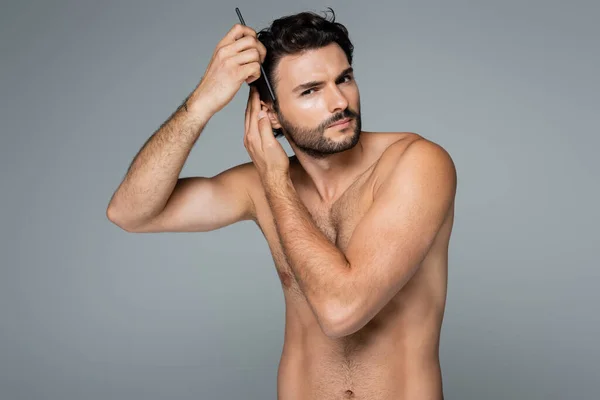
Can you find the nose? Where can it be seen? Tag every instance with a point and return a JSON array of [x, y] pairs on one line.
[[336, 101]]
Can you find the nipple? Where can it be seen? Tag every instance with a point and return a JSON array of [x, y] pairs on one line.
[[349, 394]]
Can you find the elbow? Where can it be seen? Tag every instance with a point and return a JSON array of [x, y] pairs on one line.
[[340, 321], [113, 217], [111, 214]]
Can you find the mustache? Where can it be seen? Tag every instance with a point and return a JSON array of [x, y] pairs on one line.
[[347, 113]]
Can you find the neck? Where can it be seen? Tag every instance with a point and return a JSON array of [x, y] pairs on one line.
[[331, 175]]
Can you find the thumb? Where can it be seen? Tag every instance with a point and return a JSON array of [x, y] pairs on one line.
[[264, 125]]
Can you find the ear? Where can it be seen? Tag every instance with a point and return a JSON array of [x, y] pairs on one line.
[[271, 114]]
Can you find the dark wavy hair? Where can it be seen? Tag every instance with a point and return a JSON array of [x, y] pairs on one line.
[[294, 34]]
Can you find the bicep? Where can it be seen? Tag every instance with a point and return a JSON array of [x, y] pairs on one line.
[[202, 204], [406, 215]]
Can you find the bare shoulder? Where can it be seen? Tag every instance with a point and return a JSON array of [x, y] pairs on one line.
[[247, 177], [408, 147], [417, 145]]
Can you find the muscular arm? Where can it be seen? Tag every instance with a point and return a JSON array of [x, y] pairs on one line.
[[152, 197], [202, 204], [154, 171], [346, 289]]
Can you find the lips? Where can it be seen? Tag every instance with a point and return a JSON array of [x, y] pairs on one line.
[[341, 122]]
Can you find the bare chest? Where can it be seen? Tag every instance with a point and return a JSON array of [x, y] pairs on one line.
[[336, 221]]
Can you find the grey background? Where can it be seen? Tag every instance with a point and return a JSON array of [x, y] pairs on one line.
[[88, 311]]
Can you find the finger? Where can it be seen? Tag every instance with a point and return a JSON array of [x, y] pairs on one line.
[[250, 72], [253, 132], [264, 127], [245, 43], [262, 50], [235, 48], [256, 107], [247, 56], [236, 32]]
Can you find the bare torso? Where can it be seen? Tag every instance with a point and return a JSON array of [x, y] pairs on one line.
[[395, 355]]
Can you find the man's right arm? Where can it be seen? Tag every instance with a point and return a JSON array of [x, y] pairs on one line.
[[152, 197], [201, 204]]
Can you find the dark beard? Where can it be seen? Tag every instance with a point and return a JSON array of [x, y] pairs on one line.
[[313, 142]]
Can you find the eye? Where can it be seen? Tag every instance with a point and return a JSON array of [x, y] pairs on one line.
[[307, 92], [347, 78]]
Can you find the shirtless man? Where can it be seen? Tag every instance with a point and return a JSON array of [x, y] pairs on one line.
[[358, 222]]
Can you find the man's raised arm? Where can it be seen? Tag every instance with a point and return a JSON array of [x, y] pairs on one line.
[[151, 196]]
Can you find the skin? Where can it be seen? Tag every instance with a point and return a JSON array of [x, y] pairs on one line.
[[358, 224], [360, 236]]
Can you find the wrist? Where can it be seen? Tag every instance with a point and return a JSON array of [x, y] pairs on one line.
[[277, 181], [200, 104]]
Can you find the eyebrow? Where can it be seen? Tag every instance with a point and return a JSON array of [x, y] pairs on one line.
[[309, 85]]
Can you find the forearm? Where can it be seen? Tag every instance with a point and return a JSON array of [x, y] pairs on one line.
[[155, 170], [320, 268]]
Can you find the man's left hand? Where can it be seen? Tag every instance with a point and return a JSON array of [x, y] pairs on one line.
[[266, 152]]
